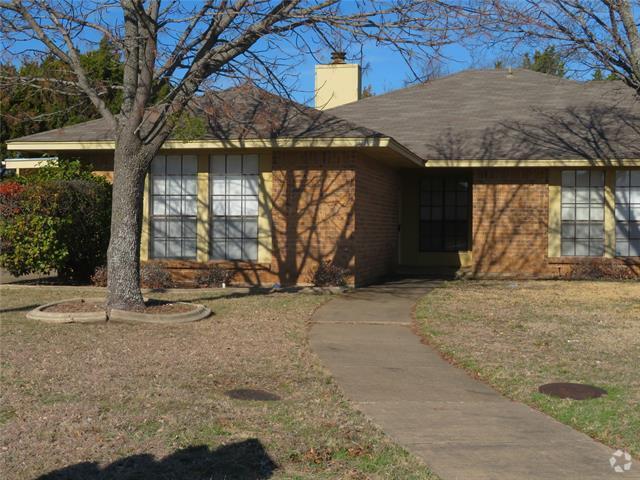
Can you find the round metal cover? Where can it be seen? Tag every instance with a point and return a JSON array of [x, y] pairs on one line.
[[576, 391], [252, 394]]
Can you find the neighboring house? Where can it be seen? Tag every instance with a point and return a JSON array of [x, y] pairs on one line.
[[489, 172]]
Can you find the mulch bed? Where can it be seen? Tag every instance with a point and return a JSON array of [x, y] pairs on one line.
[[76, 306], [152, 306]]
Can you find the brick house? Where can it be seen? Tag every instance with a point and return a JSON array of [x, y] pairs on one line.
[[487, 172]]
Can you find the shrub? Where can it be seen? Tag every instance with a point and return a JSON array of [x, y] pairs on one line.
[[99, 277], [328, 274], [597, 269], [213, 276], [154, 275], [56, 222], [10, 194]]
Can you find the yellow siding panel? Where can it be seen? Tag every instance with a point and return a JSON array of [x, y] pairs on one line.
[[144, 237], [609, 213], [264, 208], [555, 213], [202, 212]]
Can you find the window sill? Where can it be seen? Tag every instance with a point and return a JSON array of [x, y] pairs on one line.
[[227, 264], [575, 260]]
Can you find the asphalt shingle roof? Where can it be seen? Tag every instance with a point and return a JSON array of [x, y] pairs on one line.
[[244, 112], [490, 114], [475, 114]]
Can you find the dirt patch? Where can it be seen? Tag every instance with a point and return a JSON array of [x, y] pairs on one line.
[[520, 335], [163, 307], [75, 306]]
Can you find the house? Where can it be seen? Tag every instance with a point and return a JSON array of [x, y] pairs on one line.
[[488, 172]]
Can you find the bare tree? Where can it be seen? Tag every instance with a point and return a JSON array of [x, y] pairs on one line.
[[598, 33], [193, 45]]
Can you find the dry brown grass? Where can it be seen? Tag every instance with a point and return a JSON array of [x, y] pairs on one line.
[[519, 335], [151, 397]]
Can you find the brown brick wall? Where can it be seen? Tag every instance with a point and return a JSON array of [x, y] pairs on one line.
[[510, 216], [313, 212], [377, 196]]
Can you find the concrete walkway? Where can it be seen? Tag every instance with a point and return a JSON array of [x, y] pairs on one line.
[[463, 429]]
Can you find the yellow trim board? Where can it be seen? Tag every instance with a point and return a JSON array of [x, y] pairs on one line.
[[265, 246], [554, 229], [215, 144], [543, 163], [146, 216], [202, 210], [609, 213]]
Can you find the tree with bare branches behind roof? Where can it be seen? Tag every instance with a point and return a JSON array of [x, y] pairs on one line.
[[195, 45], [599, 34]]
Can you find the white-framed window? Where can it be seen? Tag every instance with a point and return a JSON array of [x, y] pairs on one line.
[[627, 213], [583, 213], [234, 181], [174, 190]]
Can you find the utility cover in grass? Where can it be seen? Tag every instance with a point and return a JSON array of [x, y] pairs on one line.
[[575, 391], [252, 394]]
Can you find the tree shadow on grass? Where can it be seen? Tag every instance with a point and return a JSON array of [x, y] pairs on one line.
[[246, 460]]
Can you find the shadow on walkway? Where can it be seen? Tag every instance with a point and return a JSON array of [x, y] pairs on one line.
[[246, 460]]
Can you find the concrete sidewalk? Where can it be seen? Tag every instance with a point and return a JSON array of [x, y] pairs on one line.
[[463, 429]]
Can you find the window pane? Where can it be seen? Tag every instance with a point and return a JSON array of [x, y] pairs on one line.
[[251, 207], [597, 214], [568, 230], [582, 247], [251, 228], [634, 248], [568, 247], [218, 206], [189, 248], [219, 186], [189, 165], [582, 213], [622, 178], [189, 206], [582, 195], [234, 207], [622, 248], [569, 178], [251, 185], [189, 229], [234, 163], [250, 249], [596, 230], [582, 178], [174, 165], [158, 249], [189, 186], [234, 249], [157, 185], [175, 228], [234, 185], [217, 164], [158, 206], [634, 178], [568, 195], [218, 249], [218, 230], [568, 213], [173, 206], [234, 227], [174, 186], [158, 165], [597, 178], [174, 248], [250, 164], [582, 230]]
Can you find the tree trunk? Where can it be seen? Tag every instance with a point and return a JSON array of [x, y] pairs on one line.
[[123, 255]]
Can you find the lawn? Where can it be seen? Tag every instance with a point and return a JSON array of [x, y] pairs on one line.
[[147, 401], [519, 335]]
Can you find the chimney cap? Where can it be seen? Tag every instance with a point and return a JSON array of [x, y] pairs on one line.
[[338, 56]]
